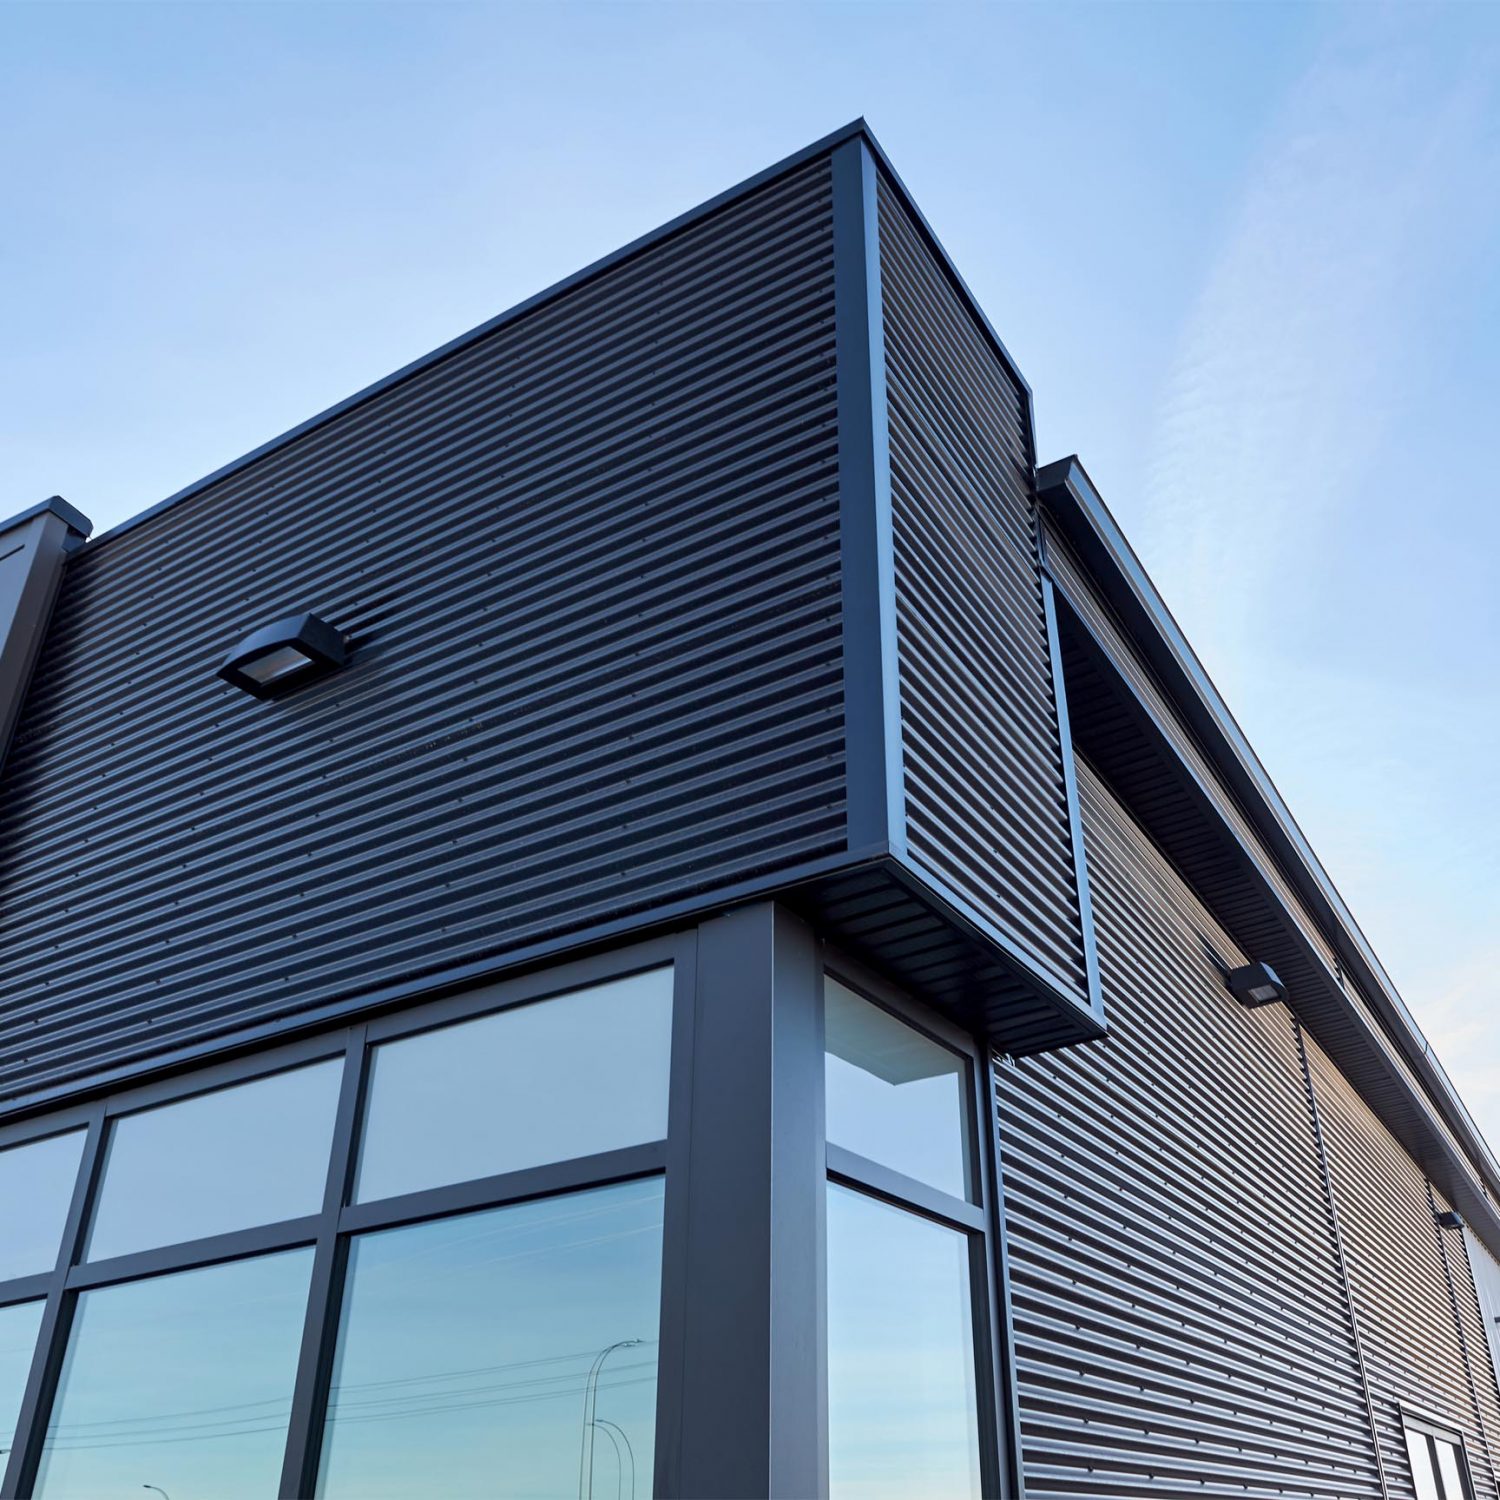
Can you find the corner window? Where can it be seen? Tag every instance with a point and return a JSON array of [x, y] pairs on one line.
[[907, 1248], [1439, 1468], [894, 1095]]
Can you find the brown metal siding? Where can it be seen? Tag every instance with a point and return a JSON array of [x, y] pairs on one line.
[[1180, 1320], [986, 814], [1414, 1350], [591, 563]]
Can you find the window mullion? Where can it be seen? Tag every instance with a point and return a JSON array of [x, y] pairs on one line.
[[52, 1341], [320, 1330]]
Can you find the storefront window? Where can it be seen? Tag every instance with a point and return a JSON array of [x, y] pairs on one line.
[[181, 1382], [509, 1353]]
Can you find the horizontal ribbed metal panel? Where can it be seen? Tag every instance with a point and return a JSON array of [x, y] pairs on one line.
[[1181, 1326], [591, 564], [1414, 1351], [1125, 722], [985, 802]]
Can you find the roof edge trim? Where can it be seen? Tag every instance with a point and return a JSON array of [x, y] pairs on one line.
[[1065, 488], [855, 129], [53, 505]]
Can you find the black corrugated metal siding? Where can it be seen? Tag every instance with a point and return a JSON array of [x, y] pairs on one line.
[[591, 564], [986, 811], [1180, 1320], [1127, 724], [1414, 1350]]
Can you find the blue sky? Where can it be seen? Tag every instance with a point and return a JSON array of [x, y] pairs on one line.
[[1248, 256]]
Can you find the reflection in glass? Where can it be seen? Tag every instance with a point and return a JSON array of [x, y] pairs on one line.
[[19, 1325], [182, 1381], [538, 1083], [36, 1188], [251, 1154], [1420, 1454], [893, 1094], [509, 1353], [1447, 1457], [902, 1412]]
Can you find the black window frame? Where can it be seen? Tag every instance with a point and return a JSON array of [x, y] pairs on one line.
[[330, 1231], [1436, 1432], [745, 1164], [981, 1221]]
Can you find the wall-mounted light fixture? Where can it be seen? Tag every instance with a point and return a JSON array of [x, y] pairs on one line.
[[279, 657], [1256, 984]]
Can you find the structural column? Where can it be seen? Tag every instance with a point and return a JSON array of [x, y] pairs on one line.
[[753, 1328]]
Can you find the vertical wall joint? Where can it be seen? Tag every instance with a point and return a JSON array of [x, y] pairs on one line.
[[872, 709]]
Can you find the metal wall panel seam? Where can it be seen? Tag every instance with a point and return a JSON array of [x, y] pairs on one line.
[[1463, 1341], [1336, 1228], [1315, 952], [876, 796], [1179, 1324]]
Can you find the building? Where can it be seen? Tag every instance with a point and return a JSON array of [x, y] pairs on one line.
[[712, 939]]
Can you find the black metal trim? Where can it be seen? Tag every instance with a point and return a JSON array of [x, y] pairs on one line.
[[1003, 1382], [1070, 791], [508, 1187], [672, 1348], [877, 1181], [300, 1458], [162, 1260], [872, 727], [52, 1338]]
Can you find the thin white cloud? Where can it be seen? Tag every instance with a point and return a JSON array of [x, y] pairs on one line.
[[1289, 408]]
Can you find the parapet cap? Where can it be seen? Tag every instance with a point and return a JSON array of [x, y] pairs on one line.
[[53, 505]]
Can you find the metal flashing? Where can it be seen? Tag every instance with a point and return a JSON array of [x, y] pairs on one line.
[[856, 129], [1070, 498], [33, 547]]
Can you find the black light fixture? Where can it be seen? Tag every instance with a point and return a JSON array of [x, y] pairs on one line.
[[1256, 984], [1449, 1219], [279, 657]]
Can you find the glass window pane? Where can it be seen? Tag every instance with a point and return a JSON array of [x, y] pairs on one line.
[[895, 1095], [490, 1355], [183, 1382], [539, 1083], [19, 1325], [1450, 1469], [903, 1417], [1421, 1465], [252, 1154], [36, 1187]]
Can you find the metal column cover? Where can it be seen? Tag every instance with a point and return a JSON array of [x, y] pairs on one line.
[[1181, 1325], [754, 1380]]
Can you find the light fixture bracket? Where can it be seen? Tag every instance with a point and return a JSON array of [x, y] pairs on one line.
[[278, 658]]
